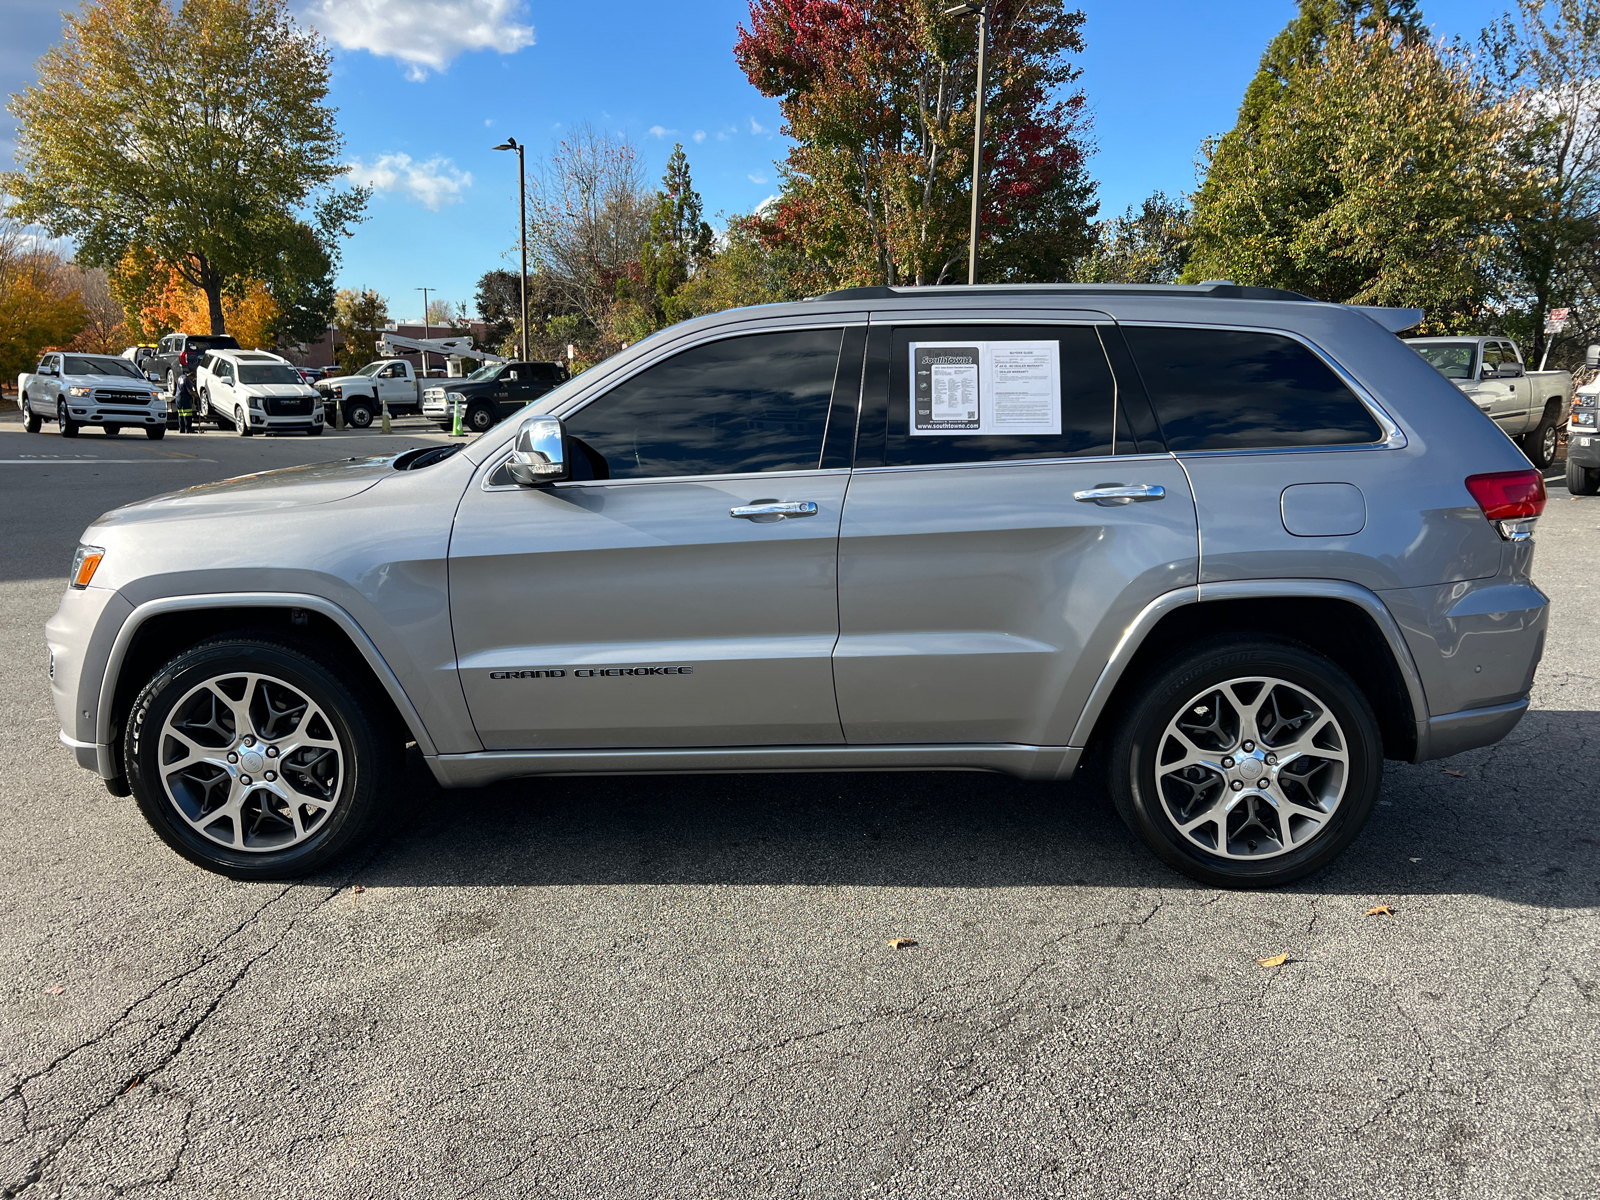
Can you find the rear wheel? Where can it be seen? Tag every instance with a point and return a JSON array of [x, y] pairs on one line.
[[1582, 481], [1540, 443], [69, 428], [253, 759], [1248, 762], [31, 421]]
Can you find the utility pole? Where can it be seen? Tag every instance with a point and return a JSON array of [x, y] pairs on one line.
[[522, 230], [425, 333], [981, 7]]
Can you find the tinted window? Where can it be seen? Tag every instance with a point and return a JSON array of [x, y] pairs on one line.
[[757, 403], [1223, 389], [1086, 405], [215, 341], [540, 372]]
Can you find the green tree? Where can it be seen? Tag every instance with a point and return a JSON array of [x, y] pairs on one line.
[[1543, 62], [359, 318], [1374, 177], [199, 133], [300, 278], [1149, 244], [499, 300]]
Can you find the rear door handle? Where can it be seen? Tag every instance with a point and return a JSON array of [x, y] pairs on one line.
[[1120, 493], [775, 508]]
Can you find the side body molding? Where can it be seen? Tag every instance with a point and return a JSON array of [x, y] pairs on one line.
[[1259, 589], [341, 618]]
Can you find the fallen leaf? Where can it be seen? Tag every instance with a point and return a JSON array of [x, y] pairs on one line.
[[1457, 774], [55, 991], [1272, 962], [901, 943], [1382, 910], [359, 888], [1416, 860], [132, 1083]]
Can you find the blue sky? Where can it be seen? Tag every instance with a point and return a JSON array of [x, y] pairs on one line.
[[426, 87]]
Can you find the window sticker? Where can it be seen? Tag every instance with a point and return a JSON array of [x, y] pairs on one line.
[[995, 388]]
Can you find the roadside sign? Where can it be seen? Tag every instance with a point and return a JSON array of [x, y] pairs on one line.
[[1556, 321]]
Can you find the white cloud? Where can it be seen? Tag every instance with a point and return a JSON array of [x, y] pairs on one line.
[[488, 121], [435, 183], [424, 34], [700, 136], [758, 177], [766, 204], [756, 126], [656, 131]]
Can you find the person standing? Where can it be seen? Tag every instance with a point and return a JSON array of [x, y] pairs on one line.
[[183, 400]]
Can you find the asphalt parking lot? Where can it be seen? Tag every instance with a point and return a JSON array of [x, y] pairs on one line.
[[683, 987]]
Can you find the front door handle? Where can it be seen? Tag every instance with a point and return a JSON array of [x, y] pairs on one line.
[[1120, 493], [775, 508]]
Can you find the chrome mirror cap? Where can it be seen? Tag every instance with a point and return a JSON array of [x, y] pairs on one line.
[[540, 453]]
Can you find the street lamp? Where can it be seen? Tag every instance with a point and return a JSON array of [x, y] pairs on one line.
[[981, 7], [425, 292], [522, 194]]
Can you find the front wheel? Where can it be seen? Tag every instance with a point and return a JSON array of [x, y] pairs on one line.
[[155, 432], [253, 759], [1249, 762], [112, 430], [480, 418], [1582, 481], [241, 423], [1540, 443], [357, 414], [69, 428], [314, 431]]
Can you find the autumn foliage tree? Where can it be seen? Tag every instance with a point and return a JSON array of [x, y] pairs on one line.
[[39, 305], [877, 96]]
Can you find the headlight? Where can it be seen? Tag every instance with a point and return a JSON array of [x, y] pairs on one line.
[[338, 392], [1584, 418], [255, 401], [79, 391], [84, 564]]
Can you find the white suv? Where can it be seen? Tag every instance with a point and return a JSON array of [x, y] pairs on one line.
[[256, 392]]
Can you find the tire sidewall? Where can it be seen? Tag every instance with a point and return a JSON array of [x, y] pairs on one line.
[[357, 731], [358, 414], [1144, 724]]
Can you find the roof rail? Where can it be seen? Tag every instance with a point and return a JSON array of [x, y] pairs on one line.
[[1215, 289]]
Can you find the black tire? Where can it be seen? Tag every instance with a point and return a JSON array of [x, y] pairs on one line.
[[314, 431], [1166, 695], [478, 419], [1540, 443], [112, 430], [69, 428], [155, 432], [359, 720], [357, 414], [241, 423], [1582, 481], [31, 421]]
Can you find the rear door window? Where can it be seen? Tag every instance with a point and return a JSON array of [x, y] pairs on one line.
[[987, 393], [1225, 389], [737, 406]]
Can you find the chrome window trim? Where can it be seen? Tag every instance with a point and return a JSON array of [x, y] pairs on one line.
[[1108, 459], [1394, 437], [810, 473]]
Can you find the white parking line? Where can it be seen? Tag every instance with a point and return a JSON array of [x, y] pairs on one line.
[[42, 461]]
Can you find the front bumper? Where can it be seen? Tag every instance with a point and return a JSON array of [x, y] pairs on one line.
[[1583, 446], [79, 637]]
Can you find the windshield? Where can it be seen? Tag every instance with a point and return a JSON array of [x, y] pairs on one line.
[[371, 369], [268, 373], [102, 366], [1453, 360], [487, 372]]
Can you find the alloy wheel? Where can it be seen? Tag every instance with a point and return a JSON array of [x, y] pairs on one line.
[[251, 763], [1252, 768]]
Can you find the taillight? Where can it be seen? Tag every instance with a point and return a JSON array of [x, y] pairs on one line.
[[183, 359], [1512, 500]]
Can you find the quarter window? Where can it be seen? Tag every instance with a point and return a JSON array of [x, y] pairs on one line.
[[738, 406], [1224, 389]]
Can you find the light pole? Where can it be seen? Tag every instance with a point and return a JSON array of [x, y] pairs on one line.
[[981, 7], [425, 292], [522, 230]]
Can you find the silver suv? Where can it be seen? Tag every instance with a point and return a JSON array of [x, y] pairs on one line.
[[1233, 546]]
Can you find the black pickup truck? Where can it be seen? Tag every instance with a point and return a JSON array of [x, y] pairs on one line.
[[181, 352], [490, 394]]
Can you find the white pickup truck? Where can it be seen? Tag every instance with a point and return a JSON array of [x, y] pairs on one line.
[[1527, 405], [391, 381], [77, 390]]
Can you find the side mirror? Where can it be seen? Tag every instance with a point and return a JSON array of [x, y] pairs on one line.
[[1510, 370], [1592, 358], [152, 377], [1488, 371], [540, 453]]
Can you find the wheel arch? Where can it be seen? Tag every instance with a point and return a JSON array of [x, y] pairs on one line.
[[1343, 621], [159, 629]]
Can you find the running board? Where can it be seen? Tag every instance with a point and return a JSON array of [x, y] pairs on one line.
[[491, 766]]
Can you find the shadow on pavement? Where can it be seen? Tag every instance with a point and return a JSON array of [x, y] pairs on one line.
[[1519, 827]]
